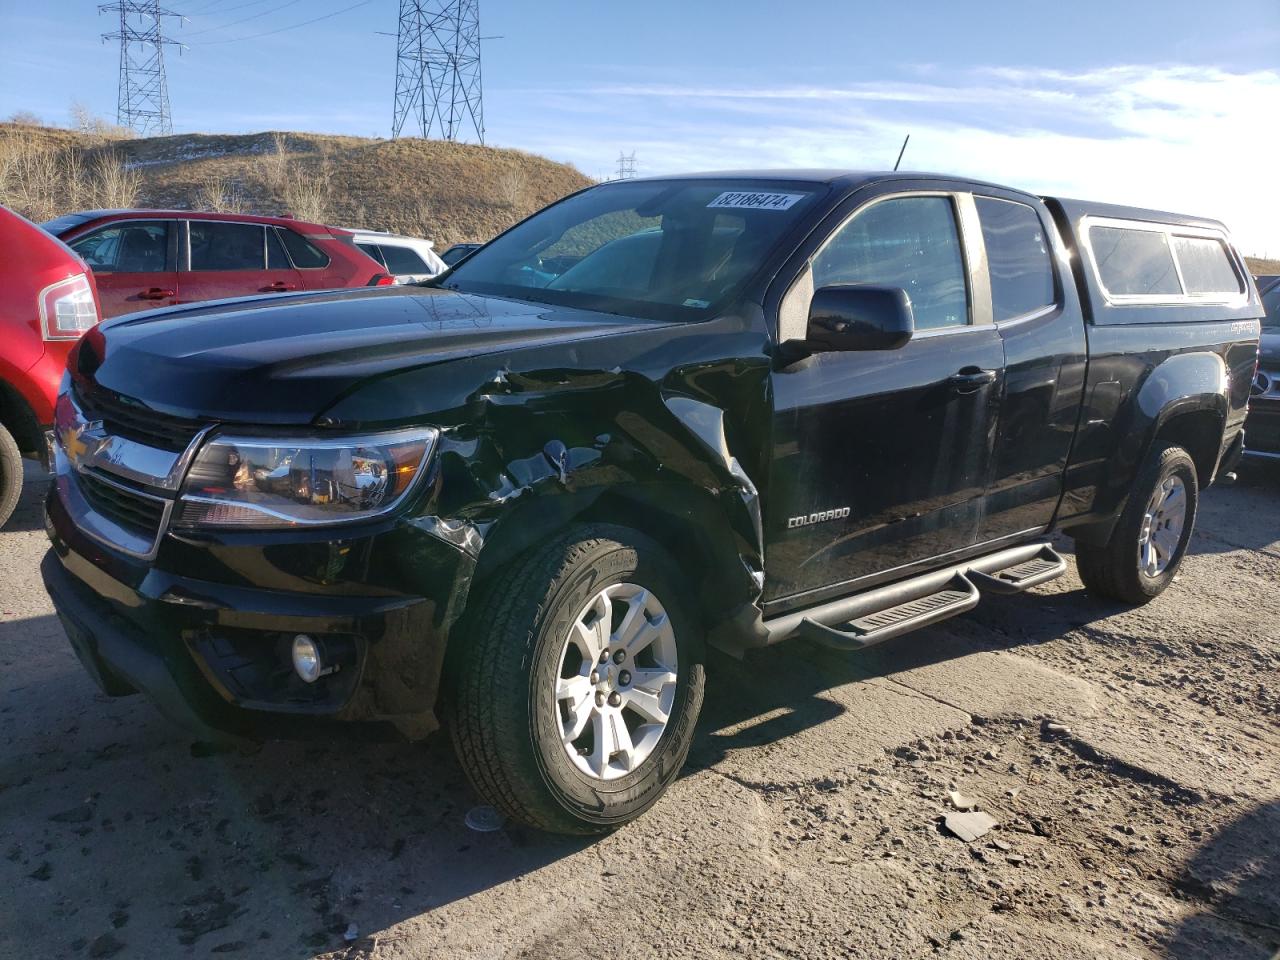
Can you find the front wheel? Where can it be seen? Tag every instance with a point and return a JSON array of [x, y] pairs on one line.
[[579, 682], [1149, 540], [10, 475]]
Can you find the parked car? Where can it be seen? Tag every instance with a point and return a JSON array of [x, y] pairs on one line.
[[459, 250], [658, 422], [47, 300], [144, 259], [1262, 429], [408, 259]]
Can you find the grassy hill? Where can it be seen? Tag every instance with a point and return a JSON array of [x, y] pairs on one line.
[[446, 192]]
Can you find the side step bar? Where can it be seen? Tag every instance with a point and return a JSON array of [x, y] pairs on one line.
[[957, 596], [858, 621], [1045, 565]]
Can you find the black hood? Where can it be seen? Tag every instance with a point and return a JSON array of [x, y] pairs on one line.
[[284, 359]]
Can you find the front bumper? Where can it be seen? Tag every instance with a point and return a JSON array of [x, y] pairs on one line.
[[1262, 429], [213, 653]]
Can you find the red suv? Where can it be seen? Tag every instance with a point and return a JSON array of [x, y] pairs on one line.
[[47, 300], [152, 258]]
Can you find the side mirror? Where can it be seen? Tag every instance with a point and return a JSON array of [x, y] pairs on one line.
[[859, 317]]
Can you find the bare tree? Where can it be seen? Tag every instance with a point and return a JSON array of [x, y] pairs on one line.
[[95, 128], [26, 117], [513, 187], [32, 178], [215, 193], [114, 184], [307, 196], [275, 163]]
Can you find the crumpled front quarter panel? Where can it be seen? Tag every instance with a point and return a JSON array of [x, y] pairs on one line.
[[671, 418]]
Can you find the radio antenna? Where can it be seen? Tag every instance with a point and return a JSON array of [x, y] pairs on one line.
[[901, 152]]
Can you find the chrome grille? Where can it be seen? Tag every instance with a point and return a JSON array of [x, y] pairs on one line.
[[132, 420], [135, 512]]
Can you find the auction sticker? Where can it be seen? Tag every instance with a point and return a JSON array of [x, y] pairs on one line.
[[755, 201]]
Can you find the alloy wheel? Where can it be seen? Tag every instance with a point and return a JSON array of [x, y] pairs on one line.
[[617, 681], [1162, 525]]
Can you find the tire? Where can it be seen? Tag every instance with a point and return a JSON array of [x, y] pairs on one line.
[[515, 660], [1116, 570], [10, 475]]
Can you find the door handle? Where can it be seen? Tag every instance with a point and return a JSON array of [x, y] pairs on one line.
[[279, 286], [970, 379], [155, 293]]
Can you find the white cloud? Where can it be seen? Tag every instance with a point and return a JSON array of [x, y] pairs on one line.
[[1192, 139]]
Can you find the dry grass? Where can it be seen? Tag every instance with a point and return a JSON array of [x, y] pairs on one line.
[[1262, 268], [42, 179], [447, 192]]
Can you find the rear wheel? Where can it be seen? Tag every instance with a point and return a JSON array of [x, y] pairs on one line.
[[1149, 541], [10, 475], [579, 682]]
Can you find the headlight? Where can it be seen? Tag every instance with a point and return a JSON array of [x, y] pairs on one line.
[[241, 481]]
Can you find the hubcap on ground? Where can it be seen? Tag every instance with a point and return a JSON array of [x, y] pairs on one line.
[[1162, 526], [617, 681]]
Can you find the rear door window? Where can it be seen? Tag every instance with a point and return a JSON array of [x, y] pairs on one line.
[[135, 246], [226, 246], [277, 259], [400, 260], [305, 255], [1018, 257], [1133, 262], [372, 250], [1206, 266], [908, 242]]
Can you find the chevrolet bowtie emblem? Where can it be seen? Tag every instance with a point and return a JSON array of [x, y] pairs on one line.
[[73, 441]]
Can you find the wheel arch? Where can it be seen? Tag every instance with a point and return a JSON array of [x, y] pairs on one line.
[[1184, 400], [19, 419], [683, 519]]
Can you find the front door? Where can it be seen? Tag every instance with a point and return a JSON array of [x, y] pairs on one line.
[[881, 457], [132, 263], [228, 259]]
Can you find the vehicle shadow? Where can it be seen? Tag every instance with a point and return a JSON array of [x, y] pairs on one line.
[[29, 513], [1240, 516], [163, 844], [787, 684], [279, 850], [1235, 880]]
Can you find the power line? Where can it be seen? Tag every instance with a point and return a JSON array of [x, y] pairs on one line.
[[143, 93], [252, 16], [438, 80], [292, 26]]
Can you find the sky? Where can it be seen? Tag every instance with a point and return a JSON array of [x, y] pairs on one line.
[[1170, 104]]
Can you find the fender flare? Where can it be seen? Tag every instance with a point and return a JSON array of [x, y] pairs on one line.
[[1185, 383]]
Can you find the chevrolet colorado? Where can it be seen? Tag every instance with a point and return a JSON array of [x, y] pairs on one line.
[[657, 419]]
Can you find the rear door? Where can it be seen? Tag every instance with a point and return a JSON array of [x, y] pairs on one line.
[[231, 259], [133, 263], [881, 457], [317, 270], [1037, 311]]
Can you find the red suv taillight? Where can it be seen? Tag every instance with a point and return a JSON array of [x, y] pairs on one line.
[[381, 280], [67, 308]]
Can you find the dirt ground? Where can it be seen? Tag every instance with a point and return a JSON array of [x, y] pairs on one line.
[[1130, 757]]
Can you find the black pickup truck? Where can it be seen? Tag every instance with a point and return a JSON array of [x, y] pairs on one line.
[[657, 419]]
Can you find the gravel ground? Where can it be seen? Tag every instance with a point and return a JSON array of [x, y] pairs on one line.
[[1129, 758]]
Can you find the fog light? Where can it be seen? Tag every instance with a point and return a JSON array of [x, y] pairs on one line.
[[306, 658]]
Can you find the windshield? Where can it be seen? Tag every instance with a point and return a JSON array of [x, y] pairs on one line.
[[1271, 303], [663, 248], [61, 225]]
